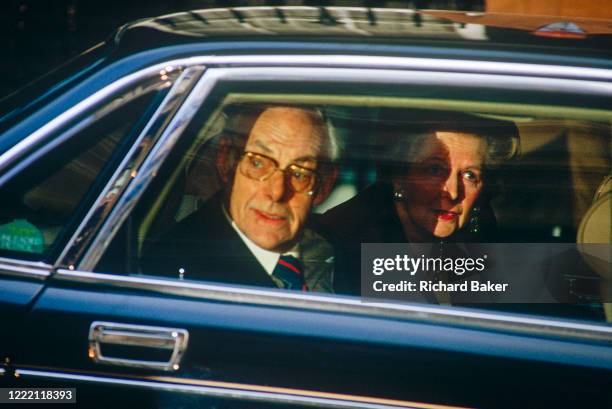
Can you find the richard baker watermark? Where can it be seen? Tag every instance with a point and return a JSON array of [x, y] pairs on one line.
[[480, 273], [436, 286]]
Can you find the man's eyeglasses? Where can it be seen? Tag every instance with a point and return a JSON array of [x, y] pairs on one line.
[[260, 167]]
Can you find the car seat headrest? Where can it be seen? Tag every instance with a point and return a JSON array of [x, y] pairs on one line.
[[595, 229]]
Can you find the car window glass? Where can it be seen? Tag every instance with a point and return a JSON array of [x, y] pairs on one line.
[[234, 200], [42, 202]]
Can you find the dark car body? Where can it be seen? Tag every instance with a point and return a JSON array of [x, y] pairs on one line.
[[214, 345]]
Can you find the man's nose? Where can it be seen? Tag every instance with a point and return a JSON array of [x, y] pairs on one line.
[[276, 185]]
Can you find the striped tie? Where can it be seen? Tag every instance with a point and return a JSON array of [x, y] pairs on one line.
[[289, 271]]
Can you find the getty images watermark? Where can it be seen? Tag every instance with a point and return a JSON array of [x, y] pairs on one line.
[[440, 268], [481, 273]]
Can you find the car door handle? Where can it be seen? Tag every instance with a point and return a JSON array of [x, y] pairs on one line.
[[173, 340]]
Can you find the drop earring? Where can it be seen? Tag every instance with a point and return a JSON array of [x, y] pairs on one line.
[[474, 224], [399, 194]]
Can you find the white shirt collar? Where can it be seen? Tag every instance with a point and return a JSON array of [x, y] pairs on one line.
[[268, 259]]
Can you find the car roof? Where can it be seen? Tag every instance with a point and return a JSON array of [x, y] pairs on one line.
[[372, 27], [326, 30]]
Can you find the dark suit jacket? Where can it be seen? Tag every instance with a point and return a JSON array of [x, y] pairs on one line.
[[206, 247], [370, 217]]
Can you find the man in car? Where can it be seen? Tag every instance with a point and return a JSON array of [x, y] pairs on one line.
[[275, 164]]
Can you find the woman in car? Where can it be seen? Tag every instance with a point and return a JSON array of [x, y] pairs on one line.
[[434, 182]]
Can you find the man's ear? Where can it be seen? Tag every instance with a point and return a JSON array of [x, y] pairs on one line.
[[326, 184], [225, 160]]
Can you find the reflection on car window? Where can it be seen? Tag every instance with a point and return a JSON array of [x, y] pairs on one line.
[[40, 203], [282, 194]]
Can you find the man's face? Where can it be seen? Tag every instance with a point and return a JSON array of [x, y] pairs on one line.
[[269, 212]]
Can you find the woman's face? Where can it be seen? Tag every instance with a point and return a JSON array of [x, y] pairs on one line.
[[441, 185]]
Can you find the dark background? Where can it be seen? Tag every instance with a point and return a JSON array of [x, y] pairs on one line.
[[39, 35]]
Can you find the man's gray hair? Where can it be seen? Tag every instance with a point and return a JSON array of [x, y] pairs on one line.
[[237, 120]]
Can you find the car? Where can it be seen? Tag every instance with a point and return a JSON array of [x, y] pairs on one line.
[[115, 148]]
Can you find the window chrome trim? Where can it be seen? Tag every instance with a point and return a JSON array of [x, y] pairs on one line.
[[413, 63], [227, 390], [129, 167], [471, 319], [28, 269], [147, 171], [412, 77], [432, 64], [420, 64]]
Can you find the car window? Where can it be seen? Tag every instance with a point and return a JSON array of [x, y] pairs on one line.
[[43, 202], [260, 180]]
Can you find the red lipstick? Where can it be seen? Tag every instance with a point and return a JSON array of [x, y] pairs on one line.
[[446, 215]]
